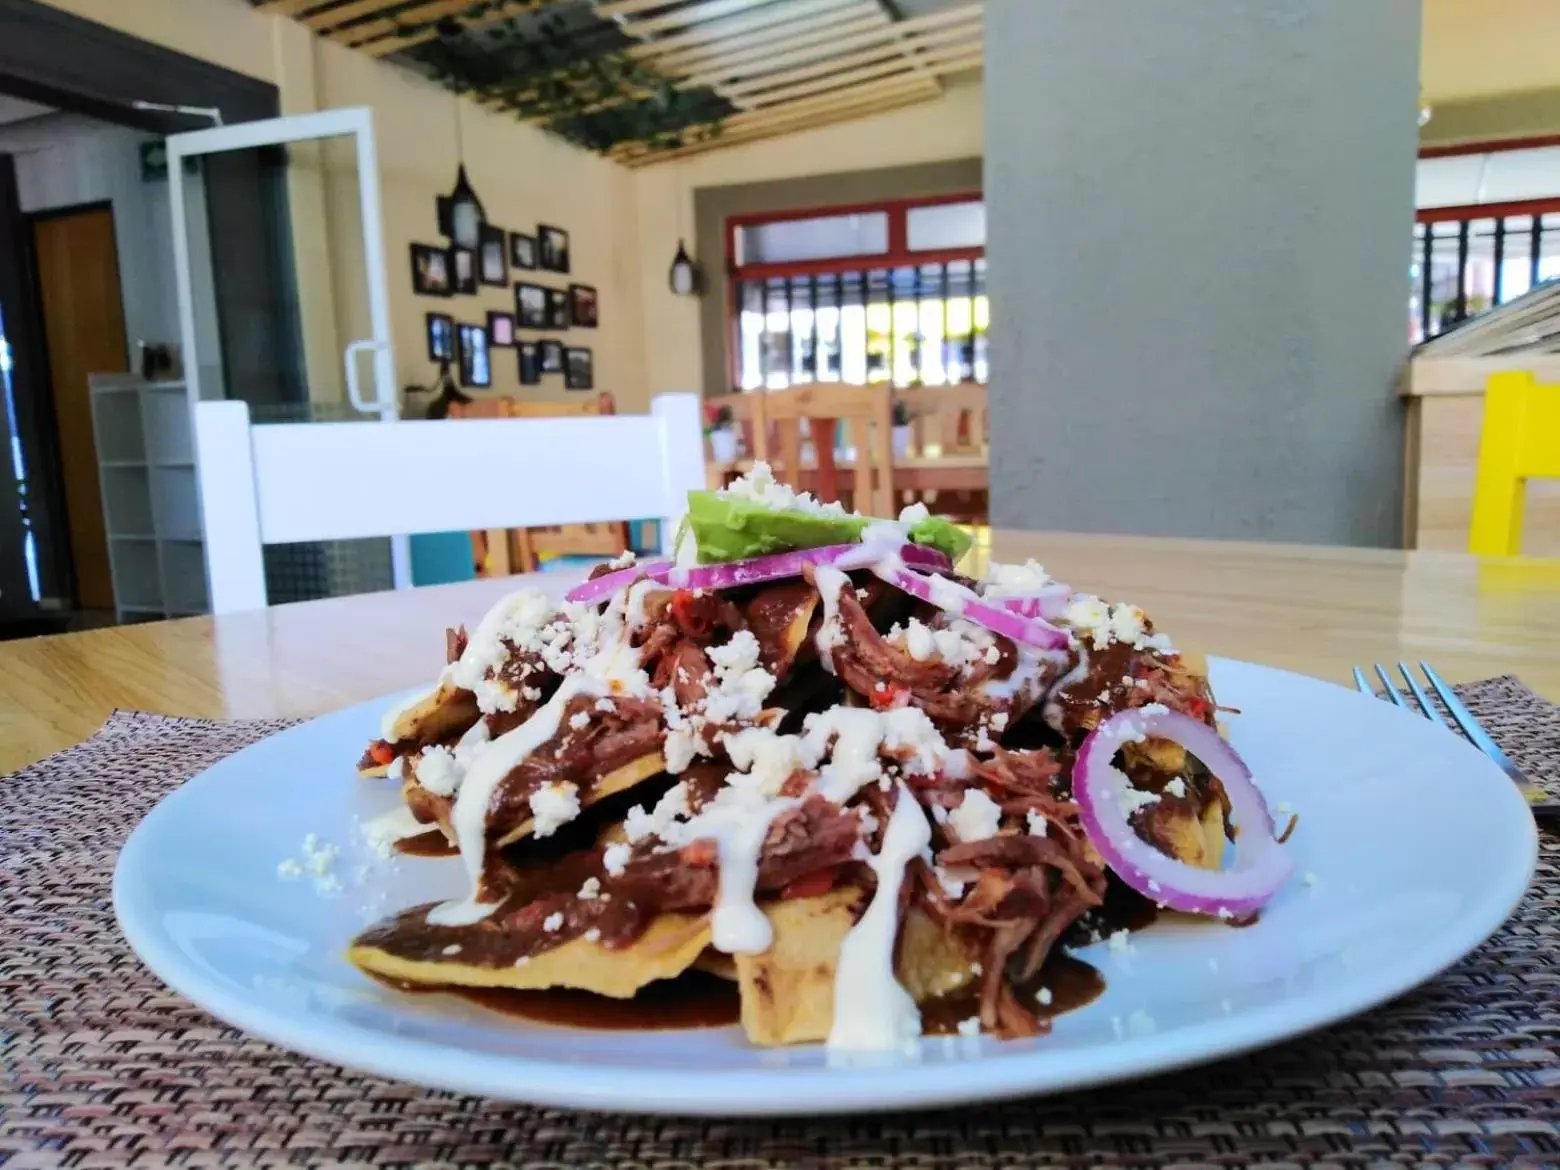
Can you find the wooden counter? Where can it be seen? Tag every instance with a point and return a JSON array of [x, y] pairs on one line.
[[1445, 398]]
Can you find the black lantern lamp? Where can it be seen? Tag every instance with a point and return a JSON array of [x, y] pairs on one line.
[[466, 215], [684, 276]]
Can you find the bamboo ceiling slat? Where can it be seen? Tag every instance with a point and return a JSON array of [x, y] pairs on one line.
[[904, 86], [383, 41], [792, 12], [430, 11], [342, 13], [896, 51], [773, 66], [719, 61], [288, 7], [871, 31], [693, 15], [814, 30], [615, 8], [935, 62], [760, 132]]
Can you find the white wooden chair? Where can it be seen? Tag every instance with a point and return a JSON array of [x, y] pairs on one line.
[[287, 482]]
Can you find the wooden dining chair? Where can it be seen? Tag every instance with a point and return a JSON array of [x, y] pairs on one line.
[[866, 410], [1520, 441], [286, 482], [945, 419]]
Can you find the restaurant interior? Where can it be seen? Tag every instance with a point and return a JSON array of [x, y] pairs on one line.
[[328, 327], [702, 198]]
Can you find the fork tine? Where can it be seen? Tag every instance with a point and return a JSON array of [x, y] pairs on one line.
[[1361, 683], [1420, 697], [1392, 693]]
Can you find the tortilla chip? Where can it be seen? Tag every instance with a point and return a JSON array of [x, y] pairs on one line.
[[1214, 841], [788, 991], [932, 963], [443, 712], [668, 948], [615, 781], [1185, 835], [713, 962]]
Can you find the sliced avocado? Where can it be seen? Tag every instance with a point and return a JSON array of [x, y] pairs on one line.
[[726, 528], [729, 529], [944, 535]]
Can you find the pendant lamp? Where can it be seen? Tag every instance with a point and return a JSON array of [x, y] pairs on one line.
[[467, 218]]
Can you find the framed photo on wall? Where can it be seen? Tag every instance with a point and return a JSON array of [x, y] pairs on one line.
[[578, 372], [582, 305], [557, 309], [522, 250], [476, 369], [441, 337], [530, 362], [530, 306], [430, 271], [552, 356], [463, 269], [501, 329], [493, 256], [553, 244]]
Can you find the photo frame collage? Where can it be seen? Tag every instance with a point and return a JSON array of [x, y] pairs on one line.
[[451, 271]]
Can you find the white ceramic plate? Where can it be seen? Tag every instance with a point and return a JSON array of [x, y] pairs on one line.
[[1385, 798]]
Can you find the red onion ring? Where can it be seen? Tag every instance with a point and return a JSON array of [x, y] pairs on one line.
[[730, 574], [1261, 865], [604, 586], [790, 564], [1049, 602], [957, 601]]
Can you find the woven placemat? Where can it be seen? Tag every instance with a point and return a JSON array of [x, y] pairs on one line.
[[100, 1065]]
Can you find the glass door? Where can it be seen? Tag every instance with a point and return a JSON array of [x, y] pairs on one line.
[[279, 251]]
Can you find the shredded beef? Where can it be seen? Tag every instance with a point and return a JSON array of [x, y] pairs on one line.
[[630, 730], [771, 614], [454, 643], [814, 836]]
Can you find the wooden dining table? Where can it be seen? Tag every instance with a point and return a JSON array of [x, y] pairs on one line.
[[1313, 610]]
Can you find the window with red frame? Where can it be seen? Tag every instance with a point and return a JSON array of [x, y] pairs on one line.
[[882, 292]]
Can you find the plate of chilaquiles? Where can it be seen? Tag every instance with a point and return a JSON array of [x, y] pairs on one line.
[[804, 819]]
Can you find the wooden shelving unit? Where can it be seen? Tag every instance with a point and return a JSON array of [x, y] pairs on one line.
[[151, 503]]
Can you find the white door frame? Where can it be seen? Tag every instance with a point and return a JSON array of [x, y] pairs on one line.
[[358, 123]]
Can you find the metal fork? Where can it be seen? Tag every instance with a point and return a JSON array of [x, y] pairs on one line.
[[1546, 810]]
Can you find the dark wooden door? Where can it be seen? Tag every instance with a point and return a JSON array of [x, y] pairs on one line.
[[84, 333]]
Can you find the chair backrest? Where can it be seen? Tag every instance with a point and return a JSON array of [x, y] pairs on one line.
[[1520, 440], [286, 482], [777, 438], [948, 418], [500, 551]]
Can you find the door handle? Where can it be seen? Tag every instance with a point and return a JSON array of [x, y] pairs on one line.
[[354, 390]]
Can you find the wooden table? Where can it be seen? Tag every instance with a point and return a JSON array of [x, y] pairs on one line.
[[1315, 610]]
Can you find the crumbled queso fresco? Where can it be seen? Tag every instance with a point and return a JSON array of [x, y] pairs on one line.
[[759, 487], [1104, 624], [977, 817]]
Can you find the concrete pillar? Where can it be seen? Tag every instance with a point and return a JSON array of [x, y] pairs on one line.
[[1199, 230]]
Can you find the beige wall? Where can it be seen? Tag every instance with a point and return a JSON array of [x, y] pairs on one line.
[[1484, 48], [947, 128], [523, 176]]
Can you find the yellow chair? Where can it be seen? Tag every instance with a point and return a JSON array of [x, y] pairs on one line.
[[1520, 441]]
